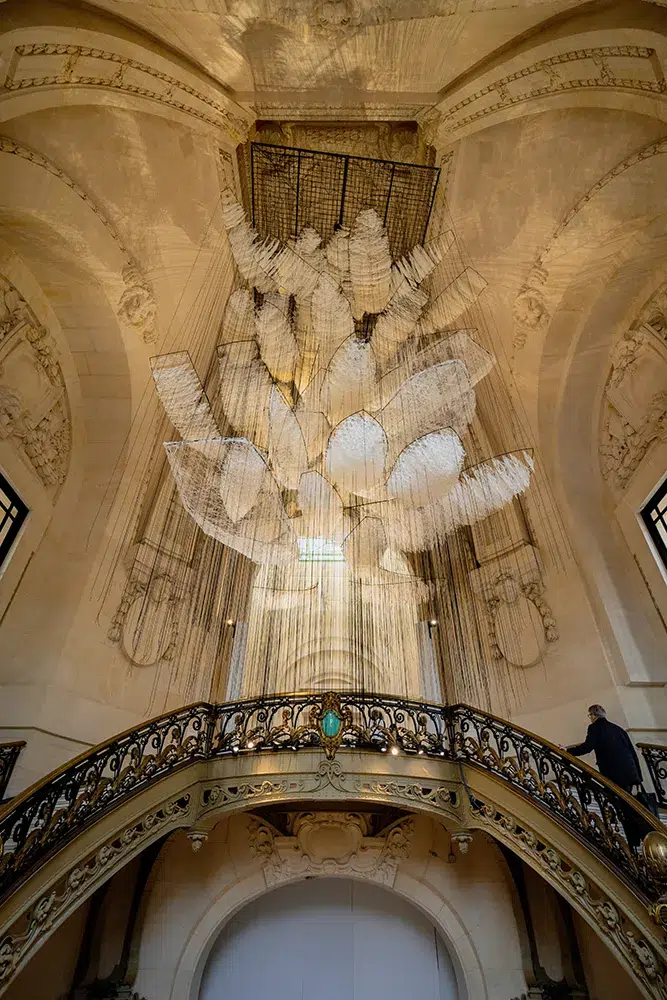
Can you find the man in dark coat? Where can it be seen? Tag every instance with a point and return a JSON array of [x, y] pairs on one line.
[[617, 760], [615, 754]]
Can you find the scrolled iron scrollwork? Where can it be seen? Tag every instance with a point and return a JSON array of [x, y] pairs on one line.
[[53, 812], [656, 762], [9, 753], [41, 821]]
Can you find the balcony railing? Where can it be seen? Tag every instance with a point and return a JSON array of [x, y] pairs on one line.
[[9, 753], [38, 823], [655, 756]]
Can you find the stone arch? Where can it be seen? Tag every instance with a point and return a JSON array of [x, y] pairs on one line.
[[67, 258], [197, 800], [589, 66], [469, 970], [192, 946], [574, 304]]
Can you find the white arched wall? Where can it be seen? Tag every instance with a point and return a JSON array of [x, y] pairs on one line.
[[192, 896], [332, 937], [44, 227], [615, 248], [66, 217], [596, 230]]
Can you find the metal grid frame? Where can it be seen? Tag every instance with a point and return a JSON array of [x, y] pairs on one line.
[[293, 189]]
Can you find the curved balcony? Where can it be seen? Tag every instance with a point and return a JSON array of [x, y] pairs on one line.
[[184, 768]]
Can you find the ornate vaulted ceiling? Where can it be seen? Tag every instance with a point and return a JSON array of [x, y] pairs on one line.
[[547, 118]]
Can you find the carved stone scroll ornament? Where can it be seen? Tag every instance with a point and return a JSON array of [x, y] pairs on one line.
[[34, 413], [521, 621], [29, 930], [530, 308], [146, 621], [137, 306], [624, 936], [329, 843]]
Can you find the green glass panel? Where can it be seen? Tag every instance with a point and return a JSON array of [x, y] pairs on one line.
[[331, 724]]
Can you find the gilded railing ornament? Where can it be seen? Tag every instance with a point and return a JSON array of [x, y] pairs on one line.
[[654, 850], [332, 721]]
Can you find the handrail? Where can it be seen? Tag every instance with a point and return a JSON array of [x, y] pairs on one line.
[[9, 753], [655, 755], [50, 814]]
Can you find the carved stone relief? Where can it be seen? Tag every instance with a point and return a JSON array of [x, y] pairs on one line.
[[381, 140], [34, 412], [332, 17], [520, 620], [329, 843], [145, 623], [634, 409]]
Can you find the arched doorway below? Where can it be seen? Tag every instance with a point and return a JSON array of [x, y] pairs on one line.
[[334, 939]]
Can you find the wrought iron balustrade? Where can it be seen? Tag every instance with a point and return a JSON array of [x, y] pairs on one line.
[[331, 722], [655, 756], [9, 753], [49, 815], [601, 814], [52, 813]]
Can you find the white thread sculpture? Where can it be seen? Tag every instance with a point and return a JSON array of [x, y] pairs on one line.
[[346, 433]]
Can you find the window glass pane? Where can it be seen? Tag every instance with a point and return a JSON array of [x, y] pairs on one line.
[[654, 516], [13, 513]]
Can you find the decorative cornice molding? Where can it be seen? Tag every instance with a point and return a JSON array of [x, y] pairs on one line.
[[232, 795], [137, 307], [633, 68], [336, 113], [67, 64]]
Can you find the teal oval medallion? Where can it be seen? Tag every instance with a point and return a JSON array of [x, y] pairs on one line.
[[331, 724]]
